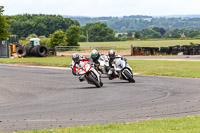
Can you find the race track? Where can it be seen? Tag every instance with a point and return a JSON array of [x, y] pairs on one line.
[[37, 98]]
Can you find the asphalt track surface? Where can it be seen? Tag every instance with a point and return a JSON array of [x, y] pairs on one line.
[[38, 98]]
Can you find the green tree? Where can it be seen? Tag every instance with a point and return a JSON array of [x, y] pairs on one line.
[[149, 33], [31, 36], [82, 38], [98, 32], [129, 34], [193, 33], [57, 39], [39, 24], [3, 25], [160, 30], [73, 34], [138, 35]]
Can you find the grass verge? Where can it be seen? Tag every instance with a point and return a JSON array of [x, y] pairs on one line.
[[142, 67], [143, 43], [47, 61], [166, 68], [170, 125]]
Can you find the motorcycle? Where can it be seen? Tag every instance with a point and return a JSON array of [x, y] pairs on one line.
[[88, 73], [123, 70], [104, 64]]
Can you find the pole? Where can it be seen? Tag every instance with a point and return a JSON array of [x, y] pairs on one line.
[[87, 34]]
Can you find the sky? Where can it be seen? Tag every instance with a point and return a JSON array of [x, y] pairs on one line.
[[97, 8]]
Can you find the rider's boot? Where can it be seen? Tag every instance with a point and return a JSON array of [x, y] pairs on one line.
[[81, 78]]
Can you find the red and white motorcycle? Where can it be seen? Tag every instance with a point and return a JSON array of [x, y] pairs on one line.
[[88, 73]]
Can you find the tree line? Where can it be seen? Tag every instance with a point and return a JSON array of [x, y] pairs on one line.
[[138, 22], [3, 25], [56, 30], [159, 32], [41, 25]]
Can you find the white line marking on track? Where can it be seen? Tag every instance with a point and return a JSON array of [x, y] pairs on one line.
[[45, 67]]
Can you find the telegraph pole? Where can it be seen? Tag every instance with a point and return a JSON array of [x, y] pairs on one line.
[[87, 34]]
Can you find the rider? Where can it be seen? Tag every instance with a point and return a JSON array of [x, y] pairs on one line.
[[112, 56], [95, 55], [76, 60]]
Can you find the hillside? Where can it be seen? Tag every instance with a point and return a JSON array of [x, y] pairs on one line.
[[138, 22]]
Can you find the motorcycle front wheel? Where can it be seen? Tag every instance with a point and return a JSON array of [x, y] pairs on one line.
[[93, 80], [129, 76]]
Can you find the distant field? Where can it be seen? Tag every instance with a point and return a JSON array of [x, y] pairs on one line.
[[143, 43]]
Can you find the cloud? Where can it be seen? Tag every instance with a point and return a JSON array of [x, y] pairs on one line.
[[101, 7]]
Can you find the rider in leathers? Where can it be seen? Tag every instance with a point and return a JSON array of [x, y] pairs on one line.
[[76, 60], [112, 56]]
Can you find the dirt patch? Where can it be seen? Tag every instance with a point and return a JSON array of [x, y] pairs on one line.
[[88, 52], [28, 64]]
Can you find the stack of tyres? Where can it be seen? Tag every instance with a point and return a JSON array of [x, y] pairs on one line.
[[186, 50], [146, 50], [154, 50], [137, 51], [175, 49], [193, 50], [21, 51], [170, 50], [180, 49], [39, 51], [199, 49], [196, 47], [164, 50]]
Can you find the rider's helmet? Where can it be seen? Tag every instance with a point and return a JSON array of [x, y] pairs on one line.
[[95, 55], [75, 58], [111, 54]]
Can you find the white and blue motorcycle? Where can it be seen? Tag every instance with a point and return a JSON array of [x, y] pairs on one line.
[[122, 70]]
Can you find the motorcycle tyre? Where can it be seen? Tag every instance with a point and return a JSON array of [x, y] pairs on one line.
[[94, 81], [130, 78], [101, 83]]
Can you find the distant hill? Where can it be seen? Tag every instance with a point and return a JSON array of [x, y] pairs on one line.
[[185, 16], [139, 22]]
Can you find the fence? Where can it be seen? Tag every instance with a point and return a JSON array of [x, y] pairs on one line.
[[86, 50]]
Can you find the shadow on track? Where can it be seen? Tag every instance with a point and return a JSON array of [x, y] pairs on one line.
[[91, 87]]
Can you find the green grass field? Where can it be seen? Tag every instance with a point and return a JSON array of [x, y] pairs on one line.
[[166, 68], [48, 61], [170, 125], [143, 43], [142, 67]]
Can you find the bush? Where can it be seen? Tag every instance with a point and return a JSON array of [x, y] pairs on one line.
[[58, 38], [72, 35], [45, 42], [82, 38]]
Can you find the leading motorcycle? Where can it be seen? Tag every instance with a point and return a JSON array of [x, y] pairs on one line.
[[88, 73]]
